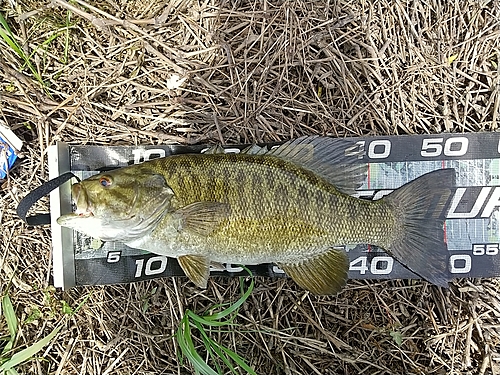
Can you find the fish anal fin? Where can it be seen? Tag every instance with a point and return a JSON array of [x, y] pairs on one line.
[[324, 274], [197, 268], [201, 218]]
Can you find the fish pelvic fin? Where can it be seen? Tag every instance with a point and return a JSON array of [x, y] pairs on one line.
[[197, 268], [323, 274], [421, 207]]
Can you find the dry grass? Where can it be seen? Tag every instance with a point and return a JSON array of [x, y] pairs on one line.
[[179, 71]]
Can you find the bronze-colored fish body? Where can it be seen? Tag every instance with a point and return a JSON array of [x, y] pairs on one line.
[[272, 210], [282, 207]]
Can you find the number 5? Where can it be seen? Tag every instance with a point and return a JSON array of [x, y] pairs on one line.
[[431, 147], [114, 256]]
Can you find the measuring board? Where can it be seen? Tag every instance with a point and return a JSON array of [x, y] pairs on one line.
[[472, 222]]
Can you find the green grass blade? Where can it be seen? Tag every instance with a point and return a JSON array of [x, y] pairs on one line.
[[66, 37], [7, 35], [223, 352], [235, 306], [182, 341], [4, 24], [11, 42], [70, 311], [10, 315], [212, 346], [12, 324], [209, 322], [6, 27], [187, 348], [29, 352], [216, 347], [215, 351], [239, 360], [209, 347]]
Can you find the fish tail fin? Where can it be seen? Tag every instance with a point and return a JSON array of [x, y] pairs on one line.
[[421, 207]]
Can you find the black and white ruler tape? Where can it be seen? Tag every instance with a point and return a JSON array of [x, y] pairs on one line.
[[472, 225]]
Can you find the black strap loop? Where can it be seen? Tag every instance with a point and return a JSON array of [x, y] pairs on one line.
[[28, 201]]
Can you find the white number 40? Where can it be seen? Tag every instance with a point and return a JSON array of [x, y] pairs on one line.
[[379, 265]]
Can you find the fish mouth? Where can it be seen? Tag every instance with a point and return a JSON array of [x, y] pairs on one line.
[[80, 201]]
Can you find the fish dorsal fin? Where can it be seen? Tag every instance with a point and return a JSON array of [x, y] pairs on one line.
[[323, 274], [201, 218], [217, 149], [254, 150], [197, 268], [336, 160]]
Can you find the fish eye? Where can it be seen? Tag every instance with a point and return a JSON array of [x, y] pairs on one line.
[[105, 181]]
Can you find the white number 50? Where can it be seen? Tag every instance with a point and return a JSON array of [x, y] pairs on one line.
[[432, 147]]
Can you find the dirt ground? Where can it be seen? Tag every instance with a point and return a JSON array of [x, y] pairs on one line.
[[242, 71]]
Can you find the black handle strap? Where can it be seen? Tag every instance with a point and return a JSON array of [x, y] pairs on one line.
[[28, 201]]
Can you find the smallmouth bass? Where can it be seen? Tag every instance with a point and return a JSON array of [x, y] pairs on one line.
[[291, 205]]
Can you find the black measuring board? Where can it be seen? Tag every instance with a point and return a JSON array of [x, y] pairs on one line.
[[472, 223]]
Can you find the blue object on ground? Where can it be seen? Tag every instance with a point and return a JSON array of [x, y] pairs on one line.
[[7, 158]]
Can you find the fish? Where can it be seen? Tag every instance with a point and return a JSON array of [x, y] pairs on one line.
[[292, 205]]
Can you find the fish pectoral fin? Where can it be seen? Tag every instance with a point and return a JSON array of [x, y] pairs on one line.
[[324, 274], [197, 268], [202, 218]]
